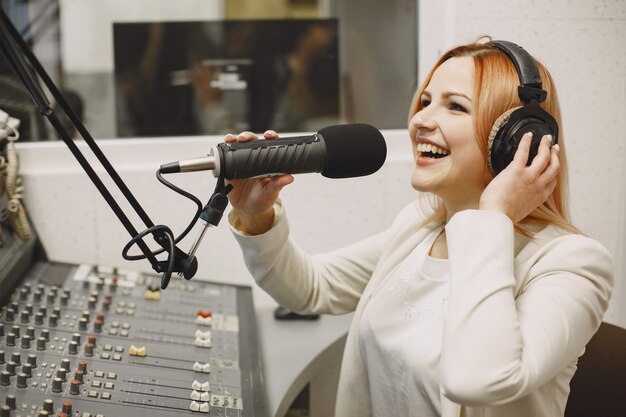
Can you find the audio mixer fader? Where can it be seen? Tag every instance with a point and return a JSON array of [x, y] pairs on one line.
[[89, 341]]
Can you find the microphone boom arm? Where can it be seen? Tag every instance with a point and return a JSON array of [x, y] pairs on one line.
[[27, 67]]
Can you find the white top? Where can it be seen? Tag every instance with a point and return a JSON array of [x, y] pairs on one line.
[[414, 299]]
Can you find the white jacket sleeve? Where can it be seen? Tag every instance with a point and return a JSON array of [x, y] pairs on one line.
[[498, 347], [330, 283]]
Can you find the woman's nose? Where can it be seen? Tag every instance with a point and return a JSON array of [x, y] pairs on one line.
[[421, 120]]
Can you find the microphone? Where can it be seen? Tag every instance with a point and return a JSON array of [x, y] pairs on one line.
[[342, 151]]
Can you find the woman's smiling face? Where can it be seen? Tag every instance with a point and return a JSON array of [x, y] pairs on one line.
[[448, 161]]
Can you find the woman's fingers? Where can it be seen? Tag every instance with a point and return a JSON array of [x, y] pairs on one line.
[[543, 157]]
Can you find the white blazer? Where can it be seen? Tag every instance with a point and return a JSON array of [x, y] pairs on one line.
[[520, 310]]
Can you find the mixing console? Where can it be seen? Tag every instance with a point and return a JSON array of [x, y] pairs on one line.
[[90, 341]]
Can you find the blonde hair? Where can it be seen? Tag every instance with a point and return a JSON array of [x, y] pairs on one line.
[[495, 91]]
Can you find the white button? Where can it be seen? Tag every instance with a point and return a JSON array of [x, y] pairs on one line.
[[196, 385], [194, 406], [205, 396], [195, 395], [206, 368], [204, 407], [203, 335], [197, 367], [206, 387]]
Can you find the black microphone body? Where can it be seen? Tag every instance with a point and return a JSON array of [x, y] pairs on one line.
[[342, 151]]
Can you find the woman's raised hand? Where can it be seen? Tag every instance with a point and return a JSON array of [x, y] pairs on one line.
[[253, 199]]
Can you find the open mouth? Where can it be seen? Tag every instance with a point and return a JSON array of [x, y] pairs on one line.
[[426, 150]]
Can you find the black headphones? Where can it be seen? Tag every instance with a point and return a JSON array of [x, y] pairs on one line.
[[508, 129]]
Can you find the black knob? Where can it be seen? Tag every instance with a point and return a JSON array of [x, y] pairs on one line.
[[5, 378], [26, 339], [10, 340], [32, 360], [86, 284], [14, 306], [10, 315], [25, 316], [89, 349], [57, 385], [76, 337], [64, 300], [61, 372], [92, 302], [106, 304], [50, 298], [100, 316], [65, 364], [5, 411], [41, 343], [1, 357], [57, 311], [23, 294], [43, 310], [39, 319], [48, 405], [45, 333], [37, 296], [27, 368], [67, 408], [75, 387], [29, 308], [30, 332], [53, 320], [17, 358], [100, 282], [97, 326], [11, 402], [15, 330], [22, 380], [82, 366], [79, 376], [82, 324], [10, 367], [1, 329]]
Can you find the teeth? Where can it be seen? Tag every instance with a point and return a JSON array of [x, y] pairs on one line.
[[427, 147]]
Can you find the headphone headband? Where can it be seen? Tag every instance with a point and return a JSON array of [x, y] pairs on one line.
[[530, 89]]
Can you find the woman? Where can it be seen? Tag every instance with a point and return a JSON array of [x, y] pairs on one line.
[[477, 303]]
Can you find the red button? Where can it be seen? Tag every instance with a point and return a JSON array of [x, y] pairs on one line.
[[205, 314]]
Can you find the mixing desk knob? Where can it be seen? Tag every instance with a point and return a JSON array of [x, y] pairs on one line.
[[72, 348], [48, 405], [1, 329], [39, 319], [82, 324], [25, 343], [41, 343], [1, 357], [10, 340], [61, 372], [23, 294], [25, 316], [67, 408], [57, 385], [30, 332], [52, 321], [17, 358], [57, 311], [5, 378], [43, 310], [75, 387], [27, 368], [14, 306], [45, 333], [50, 298], [10, 315], [32, 360], [22, 380], [29, 308], [82, 366], [10, 368], [106, 305], [11, 402], [5, 411], [86, 284], [100, 316], [92, 302], [37, 296], [43, 413], [15, 330], [76, 337], [97, 326], [79, 376], [64, 299], [65, 364], [89, 349]]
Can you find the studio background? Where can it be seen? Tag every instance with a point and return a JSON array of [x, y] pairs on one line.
[[583, 44]]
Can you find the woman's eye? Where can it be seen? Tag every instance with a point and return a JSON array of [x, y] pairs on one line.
[[425, 102], [457, 107]]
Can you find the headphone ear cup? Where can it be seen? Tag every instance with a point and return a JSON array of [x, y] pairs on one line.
[[497, 148], [510, 127]]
